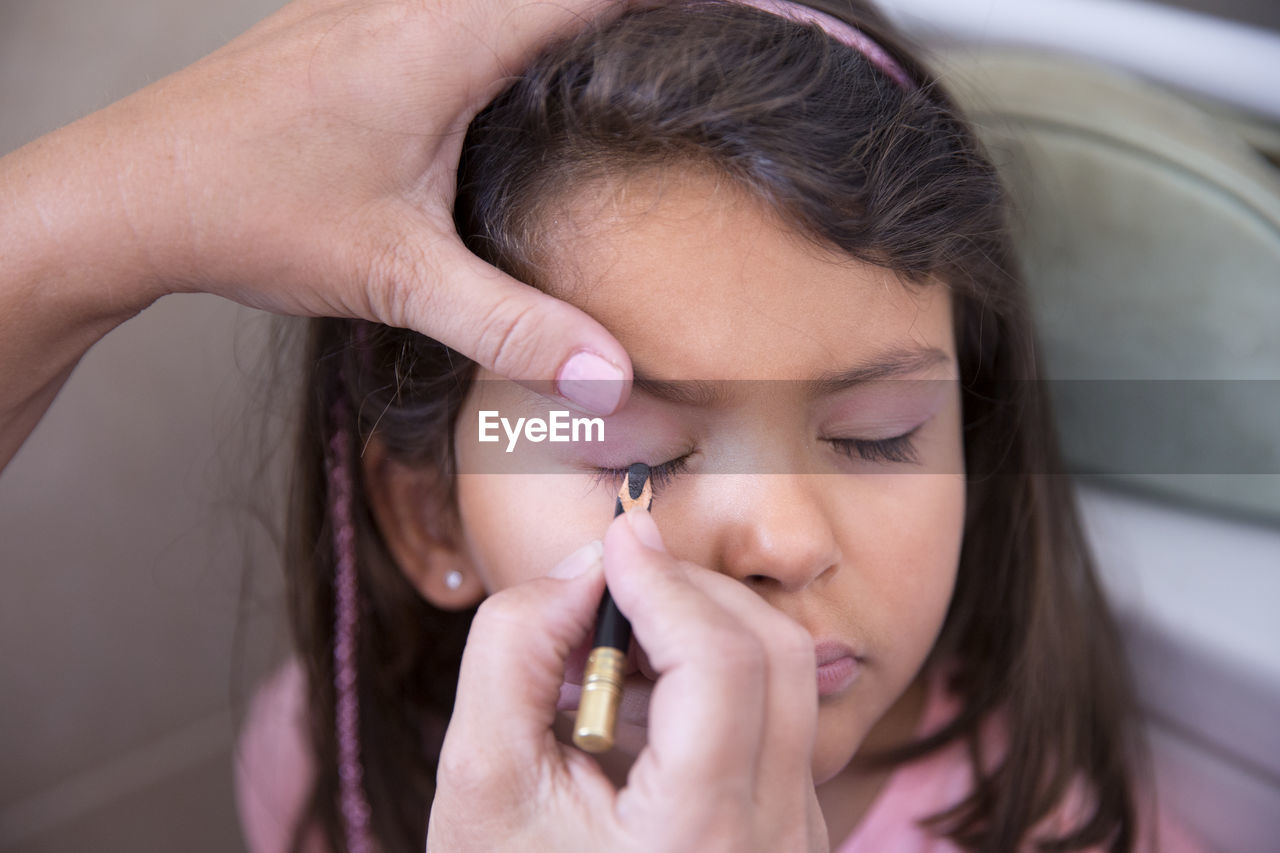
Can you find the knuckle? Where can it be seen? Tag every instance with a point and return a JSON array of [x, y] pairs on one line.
[[501, 617], [461, 770], [474, 775], [724, 827], [509, 336], [400, 279], [451, 766], [795, 643], [737, 649]]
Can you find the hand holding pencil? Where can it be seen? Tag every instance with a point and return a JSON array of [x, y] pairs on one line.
[[727, 760]]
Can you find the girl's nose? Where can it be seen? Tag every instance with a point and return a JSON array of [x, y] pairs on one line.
[[773, 531]]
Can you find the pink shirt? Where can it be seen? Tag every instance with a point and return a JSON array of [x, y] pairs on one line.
[[274, 771], [942, 779]]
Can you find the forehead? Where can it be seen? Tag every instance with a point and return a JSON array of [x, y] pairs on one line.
[[699, 279]]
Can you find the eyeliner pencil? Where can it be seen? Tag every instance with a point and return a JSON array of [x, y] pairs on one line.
[[603, 676]]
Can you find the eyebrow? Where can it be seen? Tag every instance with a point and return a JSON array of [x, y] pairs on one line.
[[887, 365]]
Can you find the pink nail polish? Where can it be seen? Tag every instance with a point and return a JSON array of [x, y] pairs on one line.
[[591, 382]]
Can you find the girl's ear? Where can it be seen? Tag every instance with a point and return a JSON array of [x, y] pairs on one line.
[[419, 525]]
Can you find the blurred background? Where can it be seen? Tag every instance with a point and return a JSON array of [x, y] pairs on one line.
[[126, 521], [1142, 141]]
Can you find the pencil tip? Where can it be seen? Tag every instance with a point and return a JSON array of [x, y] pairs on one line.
[[637, 475]]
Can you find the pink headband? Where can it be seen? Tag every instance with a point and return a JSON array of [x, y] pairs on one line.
[[838, 30]]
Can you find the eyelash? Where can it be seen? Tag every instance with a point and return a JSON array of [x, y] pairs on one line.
[[659, 475], [898, 448]]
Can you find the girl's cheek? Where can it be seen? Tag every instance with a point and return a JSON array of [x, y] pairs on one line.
[[516, 527]]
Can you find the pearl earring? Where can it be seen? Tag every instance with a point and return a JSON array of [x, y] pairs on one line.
[[453, 580]]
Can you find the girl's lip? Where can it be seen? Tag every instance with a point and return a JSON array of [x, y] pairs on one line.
[[838, 667], [838, 676], [830, 651]]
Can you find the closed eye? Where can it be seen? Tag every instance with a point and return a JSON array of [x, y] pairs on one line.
[[899, 448], [896, 449], [659, 475]]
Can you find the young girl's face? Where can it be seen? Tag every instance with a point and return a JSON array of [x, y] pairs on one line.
[[775, 477]]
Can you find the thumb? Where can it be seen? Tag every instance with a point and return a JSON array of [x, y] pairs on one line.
[[514, 662], [514, 330]]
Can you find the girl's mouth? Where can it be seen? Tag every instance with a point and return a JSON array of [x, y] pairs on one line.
[[838, 675], [838, 668]]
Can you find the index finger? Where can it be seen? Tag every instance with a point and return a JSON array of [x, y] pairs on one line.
[[707, 711]]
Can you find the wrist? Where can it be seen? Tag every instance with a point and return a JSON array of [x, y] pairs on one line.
[[71, 270], [70, 243]]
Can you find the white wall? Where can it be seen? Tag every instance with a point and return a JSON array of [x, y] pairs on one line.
[[1212, 56]]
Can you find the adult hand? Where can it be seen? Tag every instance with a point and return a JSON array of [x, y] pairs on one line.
[[732, 718], [307, 168], [318, 175]]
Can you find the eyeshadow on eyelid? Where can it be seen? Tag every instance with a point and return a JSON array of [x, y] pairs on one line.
[[902, 411]]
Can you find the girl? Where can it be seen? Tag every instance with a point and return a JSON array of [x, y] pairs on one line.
[[789, 225]]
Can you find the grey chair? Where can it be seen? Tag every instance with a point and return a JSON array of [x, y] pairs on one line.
[[1151, 245]]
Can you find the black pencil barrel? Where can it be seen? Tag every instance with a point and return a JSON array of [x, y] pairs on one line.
[[605, 670], [612, 628]]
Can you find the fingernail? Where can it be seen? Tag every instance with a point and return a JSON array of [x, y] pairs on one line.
[[591, 382], [579, 561], [645, 529]]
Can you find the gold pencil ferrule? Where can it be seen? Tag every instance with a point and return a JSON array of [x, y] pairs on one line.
[[601, 695]]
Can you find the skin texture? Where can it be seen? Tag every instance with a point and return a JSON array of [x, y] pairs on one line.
[[698, 280]]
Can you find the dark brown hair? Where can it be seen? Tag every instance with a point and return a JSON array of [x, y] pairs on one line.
[[853, 162]]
